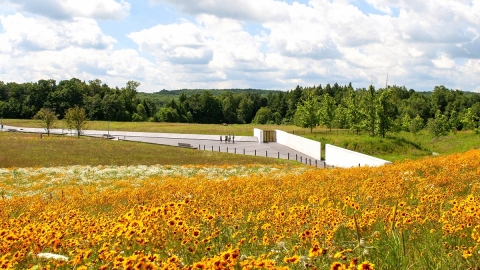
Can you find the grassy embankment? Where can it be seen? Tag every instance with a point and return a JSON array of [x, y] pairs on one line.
[[403, 145], [394, 147], [28, 150]]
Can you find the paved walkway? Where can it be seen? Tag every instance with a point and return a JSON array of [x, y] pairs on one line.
[[244, 145]]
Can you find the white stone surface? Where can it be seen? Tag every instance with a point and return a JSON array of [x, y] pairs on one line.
[[309, 147], [344, 158], [258, 133]]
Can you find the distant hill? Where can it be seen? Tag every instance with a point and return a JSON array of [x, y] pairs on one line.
[[165, 96]]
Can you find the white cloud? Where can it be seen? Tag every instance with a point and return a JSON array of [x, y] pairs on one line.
[[427, 44], [68, 9], [112, 67], [243, 10], [182, 43], [218, 43], [444, 62], [21, 34], [321, 42]]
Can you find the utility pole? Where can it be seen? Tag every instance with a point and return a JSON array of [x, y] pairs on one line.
[[386, 83]]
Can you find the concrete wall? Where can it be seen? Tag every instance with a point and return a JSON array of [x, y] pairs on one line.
[[309, 147], [341, 157], [259, 134]]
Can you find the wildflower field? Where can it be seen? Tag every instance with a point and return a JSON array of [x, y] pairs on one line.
[[422, 214]]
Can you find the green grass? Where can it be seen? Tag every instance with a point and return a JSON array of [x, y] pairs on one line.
[[28, 150], [402, 145], [395, 147], [239, 130]]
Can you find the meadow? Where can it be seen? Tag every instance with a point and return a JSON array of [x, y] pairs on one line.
[[89, 203], [394, 147], [28, 150], [422, 214]]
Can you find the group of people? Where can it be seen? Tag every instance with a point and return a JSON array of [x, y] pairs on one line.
[[227, 138]]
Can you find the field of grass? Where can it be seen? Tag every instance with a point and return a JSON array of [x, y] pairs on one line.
[[402, 145], [28, 150], [183, 128], [395, 147], [422, 214]]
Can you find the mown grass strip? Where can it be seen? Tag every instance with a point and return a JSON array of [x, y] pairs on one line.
[[28, 150]]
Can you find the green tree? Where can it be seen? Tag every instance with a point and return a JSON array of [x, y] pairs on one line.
[[327, 111], [370, 110], [229, 105], [67, 95], [455, 121], [113, 107], [341, 116], [385, 110], [263, 116], [76, 119], [140, 115], [167, 114], [276, 118], [470, 119], [245, 110], [354, 113], [438, 126], [129, 95], [307, 112], [406, 122], [416, 124], [48, 118]]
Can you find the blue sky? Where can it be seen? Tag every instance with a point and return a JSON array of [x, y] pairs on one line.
[[267, 44]]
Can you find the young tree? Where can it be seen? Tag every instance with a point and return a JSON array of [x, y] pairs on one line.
[[470, 120], [341, 116], [385, 112], [406, 122], [307, 112], [438, 126], [416, 124], [354, 112], [327, 111], [370, 110], [47, 118], [76, 119]]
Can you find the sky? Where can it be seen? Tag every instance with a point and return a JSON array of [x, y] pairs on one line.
[[261, 44]]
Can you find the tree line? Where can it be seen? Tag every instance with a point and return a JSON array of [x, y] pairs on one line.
[[376, 111]]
